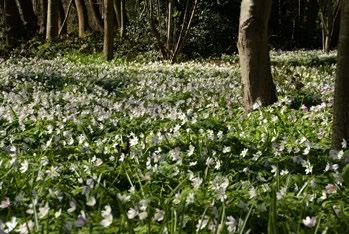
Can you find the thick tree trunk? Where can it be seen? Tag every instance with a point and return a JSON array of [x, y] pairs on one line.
[[80, 8], [341, 99], [254, 53], [52, 20], [108, 29]]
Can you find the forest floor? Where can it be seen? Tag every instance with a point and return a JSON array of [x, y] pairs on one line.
[[88, 146]]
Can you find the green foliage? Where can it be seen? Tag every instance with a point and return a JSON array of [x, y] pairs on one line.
[[126, 147]]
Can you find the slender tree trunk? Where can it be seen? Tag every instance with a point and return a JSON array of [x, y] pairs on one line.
[[186, 26], [254, 53], [95, 16], [42, 16], [14, 29], [81, 16], [108, 29], [119, 7], [327, 42], [28, 16], [170, 24], [63, 26], [341, 99], [52, 20]]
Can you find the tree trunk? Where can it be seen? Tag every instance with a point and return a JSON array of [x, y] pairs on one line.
[[42, 16], [341, 99], [95, 16], [119, 7], [170, 24], [254, 53], [14, 29], [108, 29], [81, 17], [52, 20], [28, 16]]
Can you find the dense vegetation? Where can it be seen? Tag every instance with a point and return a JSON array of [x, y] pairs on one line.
[[95, 147]]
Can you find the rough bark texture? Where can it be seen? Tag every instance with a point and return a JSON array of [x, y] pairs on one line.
[[254, 53], [52, 20], [108, 29], [341, 100]]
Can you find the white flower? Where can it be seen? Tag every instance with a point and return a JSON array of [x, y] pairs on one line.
[[107, 215], [82, 220], [24, 166], [284, 172], [133, 141], [306, 150], [123, 198], [5, 203], [106, 211], [226, 149], [159, 215], [107, 221], [143, 215], [308, 167], [344, 144], [244, 153], [274, 169], [196, 182], [231, 224], [202, 224], [72, 207], [25, 227], [253, 193], [191, 150], [257, 105], [309, 222], [91, 201], [190, 198], [11, 225], [281, 193], [331, 188], [58, 213], [43, 211], [143, 204], [132, 213]]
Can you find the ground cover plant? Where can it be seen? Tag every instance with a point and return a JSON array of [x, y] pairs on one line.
[[96, 147]]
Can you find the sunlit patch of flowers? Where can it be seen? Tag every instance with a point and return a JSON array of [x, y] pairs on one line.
[[161, 148]]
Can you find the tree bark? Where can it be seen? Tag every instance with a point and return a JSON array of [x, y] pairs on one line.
[[254, 53], [119, 7], [95, 16], [14, 28], [80, 8], [170, 24], [52, 20], [28, 16], [341, 99], [42, 16], [108, 29]]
